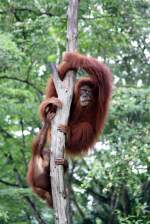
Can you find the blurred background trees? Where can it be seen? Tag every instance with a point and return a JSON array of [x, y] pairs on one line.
[[112, 184]]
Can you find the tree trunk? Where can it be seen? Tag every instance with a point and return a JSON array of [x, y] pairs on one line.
[[65, 93]]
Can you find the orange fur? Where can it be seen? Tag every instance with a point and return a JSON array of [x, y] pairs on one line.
[[38, 176], [38, 169], [85, 124]]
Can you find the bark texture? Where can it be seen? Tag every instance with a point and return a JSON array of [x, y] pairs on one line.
[[65, 93]]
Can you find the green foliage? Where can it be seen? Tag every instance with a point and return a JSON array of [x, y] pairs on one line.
[[3, 217], [112, 184]]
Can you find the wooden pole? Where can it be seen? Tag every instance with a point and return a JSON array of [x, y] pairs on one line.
[[65, 94]]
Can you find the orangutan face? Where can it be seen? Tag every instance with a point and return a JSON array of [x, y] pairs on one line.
[[86, 95]]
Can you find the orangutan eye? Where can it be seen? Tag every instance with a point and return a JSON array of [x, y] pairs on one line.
[[82, 91]]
